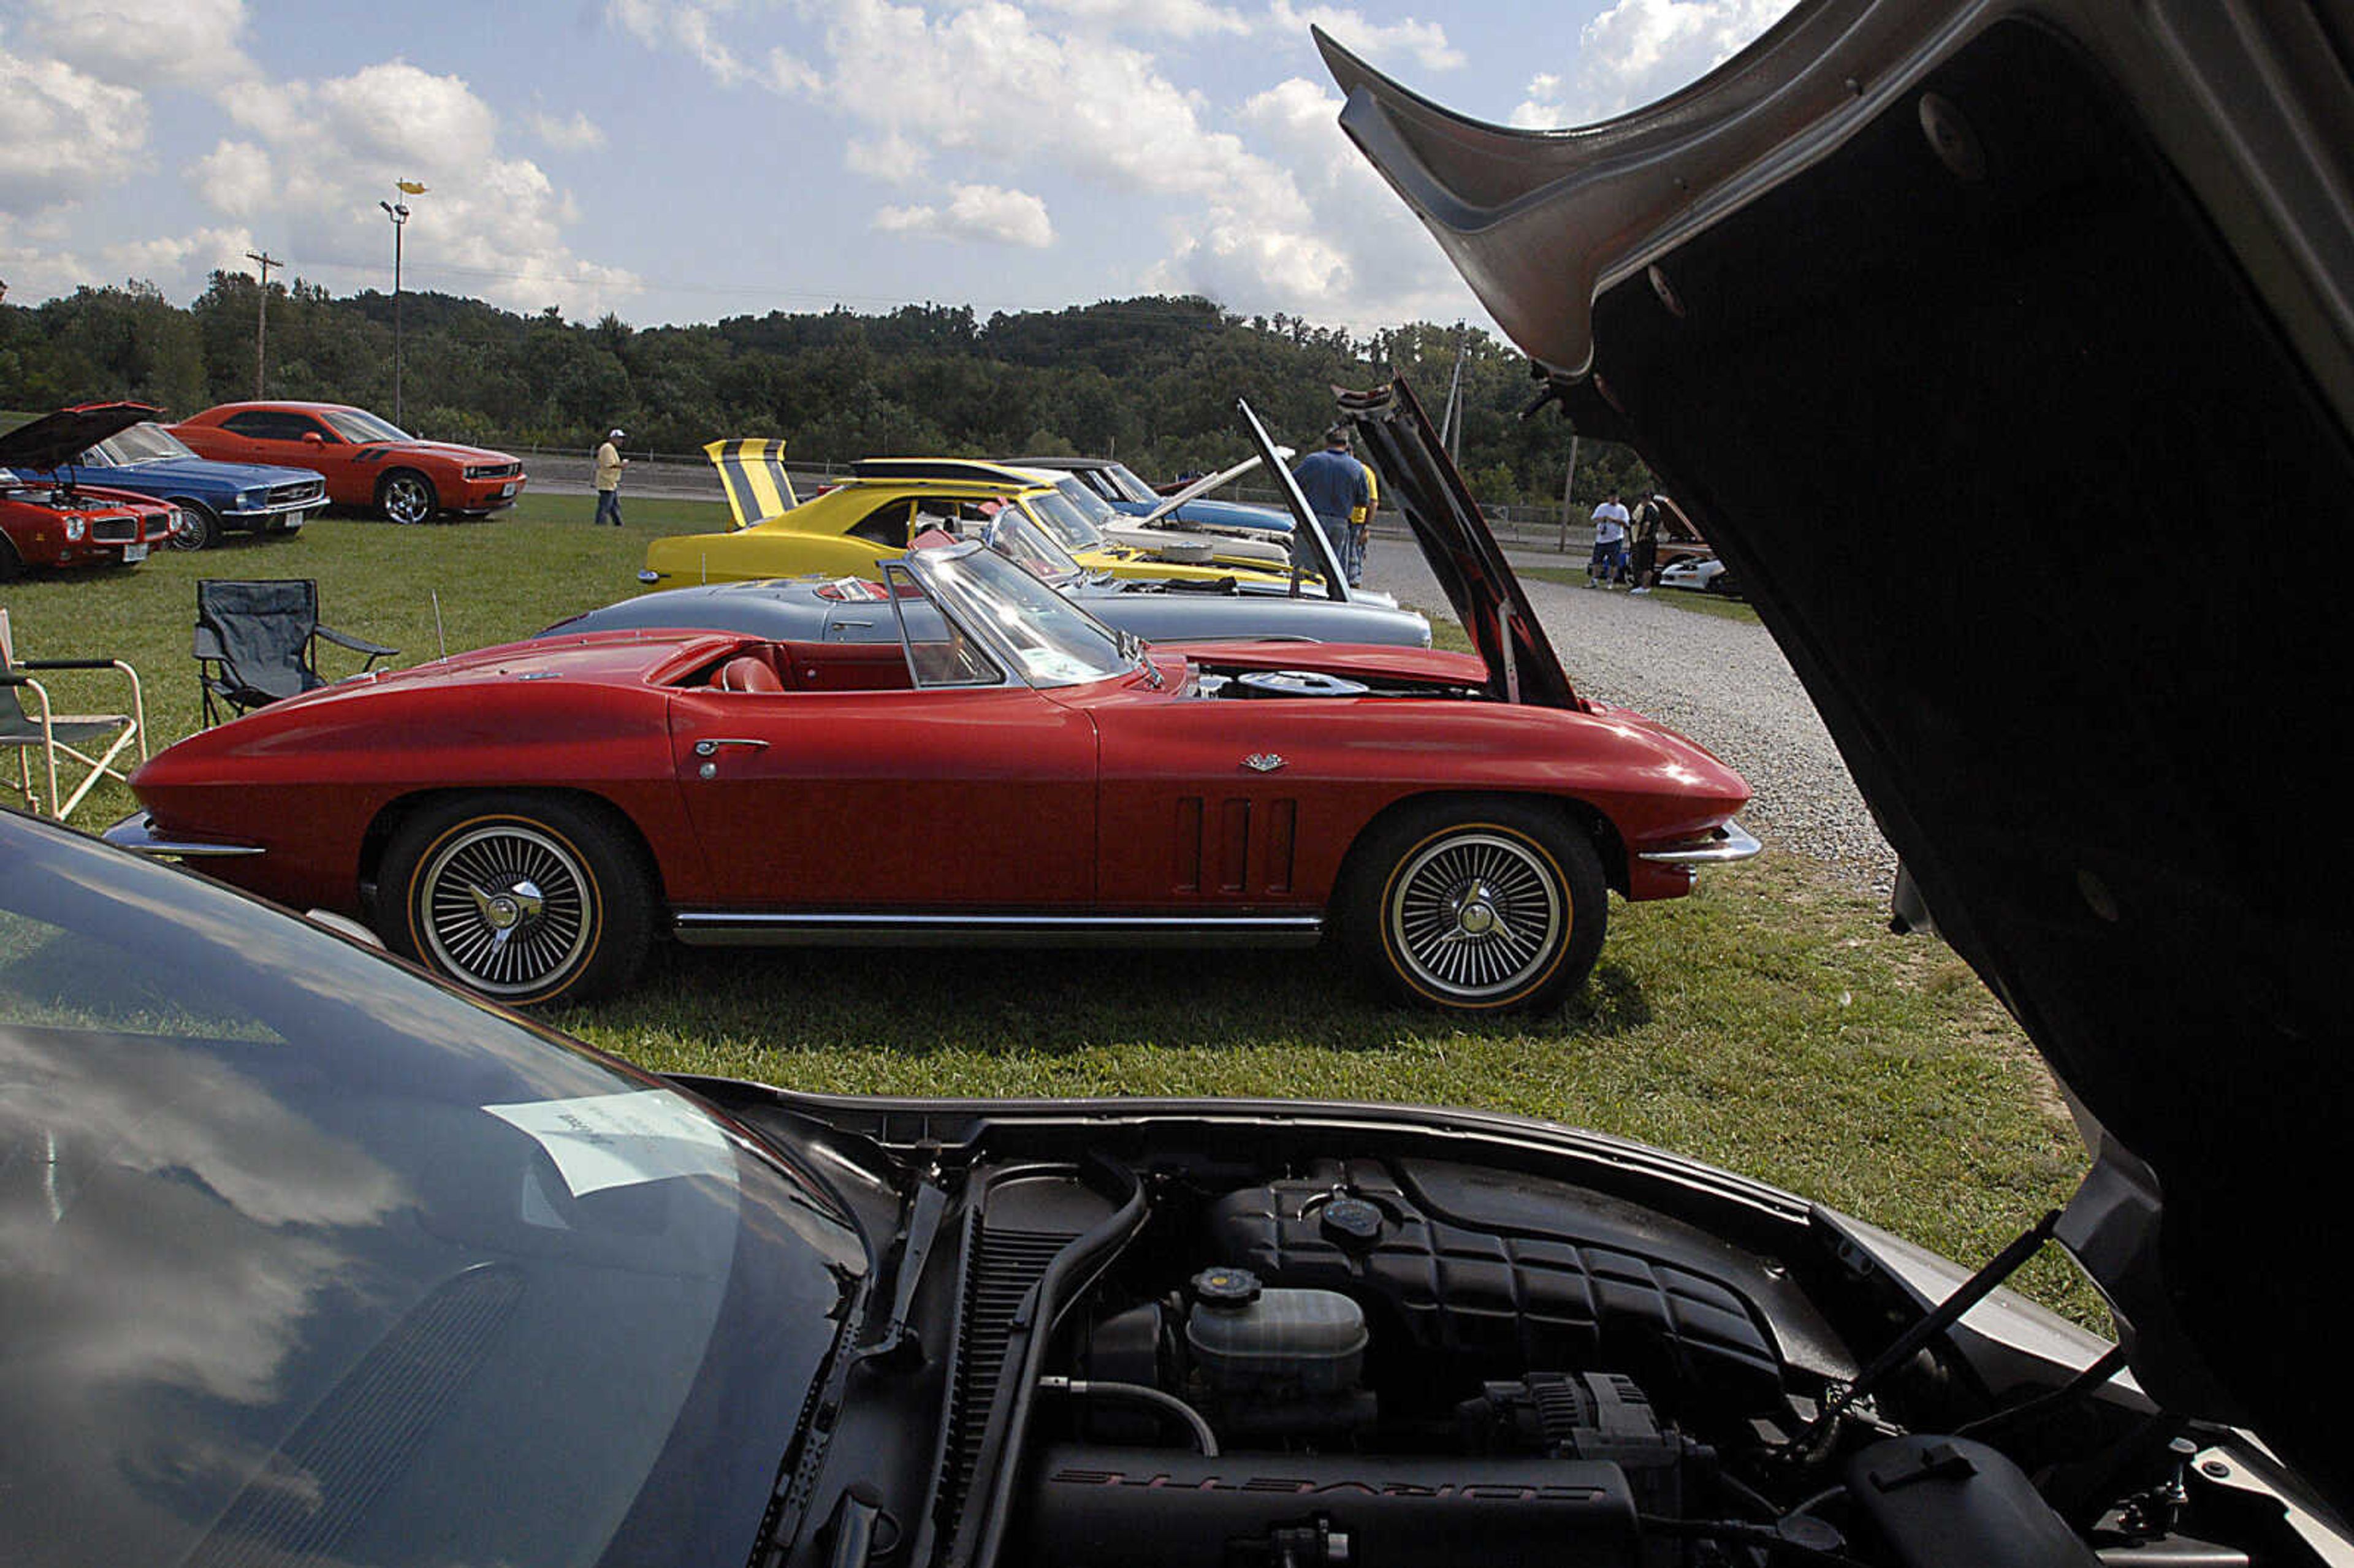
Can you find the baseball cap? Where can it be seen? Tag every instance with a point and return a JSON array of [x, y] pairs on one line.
[[615, 435]]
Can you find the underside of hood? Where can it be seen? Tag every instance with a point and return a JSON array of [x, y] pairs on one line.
[[55, 440], [1456, 543], [2004, 353]]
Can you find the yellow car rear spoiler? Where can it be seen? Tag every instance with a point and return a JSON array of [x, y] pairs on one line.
[[753, 474]]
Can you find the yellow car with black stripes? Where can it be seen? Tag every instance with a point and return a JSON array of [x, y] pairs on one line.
[[848, 529]]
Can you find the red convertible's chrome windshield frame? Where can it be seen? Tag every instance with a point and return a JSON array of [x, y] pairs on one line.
[[1036, 632]]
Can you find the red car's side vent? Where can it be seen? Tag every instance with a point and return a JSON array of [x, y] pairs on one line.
[[1236, 847]]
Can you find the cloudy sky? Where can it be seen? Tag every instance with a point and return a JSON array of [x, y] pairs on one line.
[[683, 161]]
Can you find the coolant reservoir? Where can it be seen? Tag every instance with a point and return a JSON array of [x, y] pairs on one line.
[[1245, 1338]]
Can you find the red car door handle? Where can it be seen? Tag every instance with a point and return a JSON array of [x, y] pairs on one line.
[[708, 747]]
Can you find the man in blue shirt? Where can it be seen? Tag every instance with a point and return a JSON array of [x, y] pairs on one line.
[[1334, 485]]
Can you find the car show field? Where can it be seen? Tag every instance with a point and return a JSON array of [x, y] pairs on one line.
[[1819, 1053], [918, 1018]]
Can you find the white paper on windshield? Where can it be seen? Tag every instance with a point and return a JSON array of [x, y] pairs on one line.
[[619, 1141]]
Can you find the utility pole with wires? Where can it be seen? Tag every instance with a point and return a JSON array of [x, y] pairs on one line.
[[261, 318]]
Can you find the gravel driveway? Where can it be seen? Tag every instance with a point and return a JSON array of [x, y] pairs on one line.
[[1724, 682]]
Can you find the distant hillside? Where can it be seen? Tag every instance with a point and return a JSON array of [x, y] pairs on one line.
[[1152, 381]]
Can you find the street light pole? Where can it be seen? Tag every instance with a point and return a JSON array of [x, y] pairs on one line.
[[398, 213], [261, 318]]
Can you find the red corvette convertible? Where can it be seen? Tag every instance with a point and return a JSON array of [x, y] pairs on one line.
[[368, 464], [972, 756]]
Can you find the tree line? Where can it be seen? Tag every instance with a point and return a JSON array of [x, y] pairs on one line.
[[1152, 381]]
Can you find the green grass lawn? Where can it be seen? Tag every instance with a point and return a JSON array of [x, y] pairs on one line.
[[1769, 1023]]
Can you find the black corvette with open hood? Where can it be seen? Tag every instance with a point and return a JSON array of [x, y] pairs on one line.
[[2003, 269]]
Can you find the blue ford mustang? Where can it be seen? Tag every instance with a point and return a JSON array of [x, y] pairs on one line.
[[213, 497]]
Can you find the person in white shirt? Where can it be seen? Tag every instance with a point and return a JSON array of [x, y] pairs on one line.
[[1609, 544]]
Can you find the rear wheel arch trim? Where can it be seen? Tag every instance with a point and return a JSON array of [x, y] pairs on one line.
[[396, 814]]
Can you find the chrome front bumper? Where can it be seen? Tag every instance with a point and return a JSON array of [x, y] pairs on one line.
[[136, 833], [1722, 847]]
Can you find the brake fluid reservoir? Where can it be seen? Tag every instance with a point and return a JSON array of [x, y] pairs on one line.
[[1245, 1338]]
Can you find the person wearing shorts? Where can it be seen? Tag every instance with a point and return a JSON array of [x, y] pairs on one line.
[[1609, 544]]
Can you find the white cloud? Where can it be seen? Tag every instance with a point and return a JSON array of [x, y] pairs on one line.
[[1177, 18], [891, 158], [789, 73], [1264, 207], [236, 179], [1027, 98], [1350, 253], [693, 28], [189, 43], [37, 266], [976, 212], [1639, 51], [179, 254], [489, 224], [578, 134], [1423, 43], [398, 112], [62, 131]]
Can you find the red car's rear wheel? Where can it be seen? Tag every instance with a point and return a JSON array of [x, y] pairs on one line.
[[525, 900]]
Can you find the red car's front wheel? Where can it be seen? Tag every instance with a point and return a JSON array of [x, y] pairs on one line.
[[407, 496], [1475, 906], [526, 900]]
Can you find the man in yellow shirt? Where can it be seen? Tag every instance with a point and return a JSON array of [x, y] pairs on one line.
[[610, 464], [1361, 528]]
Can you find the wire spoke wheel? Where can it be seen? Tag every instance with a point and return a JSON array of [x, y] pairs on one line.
[[1477, 915], [505, 907]]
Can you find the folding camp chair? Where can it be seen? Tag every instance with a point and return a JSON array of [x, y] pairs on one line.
[[257, 641], [55, 734]]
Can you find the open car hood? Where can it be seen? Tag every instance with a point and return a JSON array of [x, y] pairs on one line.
[[1421, 481], [55, 440], [1454, 541], [1920, 309]]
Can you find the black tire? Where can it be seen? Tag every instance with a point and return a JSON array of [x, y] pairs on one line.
[[404, 495], [12, 565], [199, 529], [1485, 906], [525, 900]]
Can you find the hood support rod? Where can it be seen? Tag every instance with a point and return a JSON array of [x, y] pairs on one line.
[[1934, 1322]]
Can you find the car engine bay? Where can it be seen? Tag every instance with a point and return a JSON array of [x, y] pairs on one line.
[[1232, 1357]]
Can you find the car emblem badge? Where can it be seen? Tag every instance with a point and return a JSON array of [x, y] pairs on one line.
[[1262, 762]]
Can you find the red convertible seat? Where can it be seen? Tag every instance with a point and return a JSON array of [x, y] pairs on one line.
[[745, 673]]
